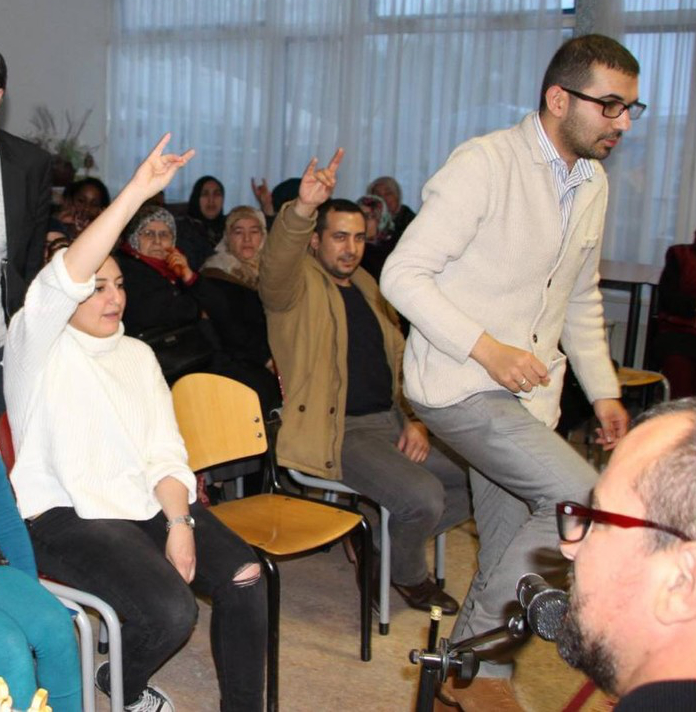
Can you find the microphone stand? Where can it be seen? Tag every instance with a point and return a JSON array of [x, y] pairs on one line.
[[460, 657]]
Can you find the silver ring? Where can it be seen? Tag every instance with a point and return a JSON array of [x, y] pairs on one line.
[[523, 381]]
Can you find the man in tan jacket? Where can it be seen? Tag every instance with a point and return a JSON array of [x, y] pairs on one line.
[[338, 348]]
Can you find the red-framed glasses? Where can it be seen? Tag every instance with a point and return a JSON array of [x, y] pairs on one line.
[[573, 521]]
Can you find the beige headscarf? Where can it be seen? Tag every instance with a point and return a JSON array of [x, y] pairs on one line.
[[224, 265]]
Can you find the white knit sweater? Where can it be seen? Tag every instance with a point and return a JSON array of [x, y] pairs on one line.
[[92, 418], [485, 253]]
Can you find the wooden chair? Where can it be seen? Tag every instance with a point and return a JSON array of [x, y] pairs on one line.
[[644, 383], [74, 600], [220, 420]]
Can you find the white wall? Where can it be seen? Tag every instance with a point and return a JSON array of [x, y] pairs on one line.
[[56, 54]]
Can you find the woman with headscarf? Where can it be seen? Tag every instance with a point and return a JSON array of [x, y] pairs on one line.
[[167, 299], [235, 309], [378, 232], [204, 223]]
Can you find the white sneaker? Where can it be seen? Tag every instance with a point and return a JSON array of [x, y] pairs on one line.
[[152, 699]]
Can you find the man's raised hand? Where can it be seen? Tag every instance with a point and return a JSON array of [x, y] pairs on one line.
[[317, 185]]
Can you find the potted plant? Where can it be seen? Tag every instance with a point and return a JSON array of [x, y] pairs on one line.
[[68, 154]]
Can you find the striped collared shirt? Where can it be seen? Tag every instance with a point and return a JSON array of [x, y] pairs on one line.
[[566, 183]]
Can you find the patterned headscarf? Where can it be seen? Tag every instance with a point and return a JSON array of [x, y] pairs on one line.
[[244, 272], [146, 215], [377, 209]]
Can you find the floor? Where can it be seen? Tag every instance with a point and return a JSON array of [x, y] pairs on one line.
[[320, 666]]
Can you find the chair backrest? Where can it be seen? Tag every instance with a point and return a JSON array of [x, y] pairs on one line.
[[220, 419], [6, 446]]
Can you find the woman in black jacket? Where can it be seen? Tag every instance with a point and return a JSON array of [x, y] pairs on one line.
[[235, 309]]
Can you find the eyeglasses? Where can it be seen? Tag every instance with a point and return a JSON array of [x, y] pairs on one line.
[[611, 108], [162, 235], [573, 521]]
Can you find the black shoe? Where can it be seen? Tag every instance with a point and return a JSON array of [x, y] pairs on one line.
[[352, 545], [426, 594]]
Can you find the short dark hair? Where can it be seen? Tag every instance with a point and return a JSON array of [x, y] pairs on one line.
[[3, 73], [667, 486], [339, 205], [571, 66], [76, 186]]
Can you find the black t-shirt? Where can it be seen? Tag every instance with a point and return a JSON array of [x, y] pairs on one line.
[[672, 695], [369, 375]]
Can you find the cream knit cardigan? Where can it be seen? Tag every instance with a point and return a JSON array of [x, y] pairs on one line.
[[92, 418], [485, 253]]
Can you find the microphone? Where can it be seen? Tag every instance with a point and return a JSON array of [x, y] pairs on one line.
[[545, 605]]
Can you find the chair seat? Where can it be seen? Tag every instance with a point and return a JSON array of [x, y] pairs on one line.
[[283, 525], [635, 378]]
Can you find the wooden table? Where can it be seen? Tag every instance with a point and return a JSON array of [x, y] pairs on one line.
[[630, 277]]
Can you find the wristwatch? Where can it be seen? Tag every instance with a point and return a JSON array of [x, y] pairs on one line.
[[186, 519]]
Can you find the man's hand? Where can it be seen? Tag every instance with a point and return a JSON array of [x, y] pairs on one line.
[[181, 551], [613, 419], [317, 185], [263, 196], [414, 441], [158, 169], [516, 369]]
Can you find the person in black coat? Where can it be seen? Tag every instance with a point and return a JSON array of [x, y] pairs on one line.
[[204, 223], [236, 310], [675, 341], [25, 196], [166, 299]]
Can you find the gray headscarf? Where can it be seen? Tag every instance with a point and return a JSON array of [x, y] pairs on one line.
[[144, 216]]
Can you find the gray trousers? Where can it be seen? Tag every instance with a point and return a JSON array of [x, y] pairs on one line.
[[423, 500], [519, 470]]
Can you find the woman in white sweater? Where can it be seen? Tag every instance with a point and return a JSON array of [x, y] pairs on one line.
[[101, 470]]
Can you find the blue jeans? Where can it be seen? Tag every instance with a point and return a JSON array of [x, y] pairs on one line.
[[123, 563], [37, 644], [423, 500], [519, 470]]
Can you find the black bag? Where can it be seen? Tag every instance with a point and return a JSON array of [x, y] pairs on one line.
[[179, 351]]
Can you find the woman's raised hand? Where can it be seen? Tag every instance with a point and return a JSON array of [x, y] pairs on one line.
[[158, 169], [92, 247]]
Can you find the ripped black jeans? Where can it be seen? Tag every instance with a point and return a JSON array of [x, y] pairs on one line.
[[123, 562]]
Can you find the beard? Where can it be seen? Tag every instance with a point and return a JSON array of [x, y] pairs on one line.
[[571, 132], [591, 655]]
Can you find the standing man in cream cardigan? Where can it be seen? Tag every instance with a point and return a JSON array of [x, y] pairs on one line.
[[499, 266]]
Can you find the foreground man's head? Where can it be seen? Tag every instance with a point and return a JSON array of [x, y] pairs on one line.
[[632, 614]]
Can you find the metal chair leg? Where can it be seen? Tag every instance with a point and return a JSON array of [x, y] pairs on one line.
[[114, 627], [272, 648], [84, 627], [103, 644], [384, 571], [440, 542], [366, 591]]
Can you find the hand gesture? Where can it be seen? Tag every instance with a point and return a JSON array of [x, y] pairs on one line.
[[613, 419], [263, 196], [179, 265], [414, 441], [158, 169], [180, 551], [516, 369], [318, 185]]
